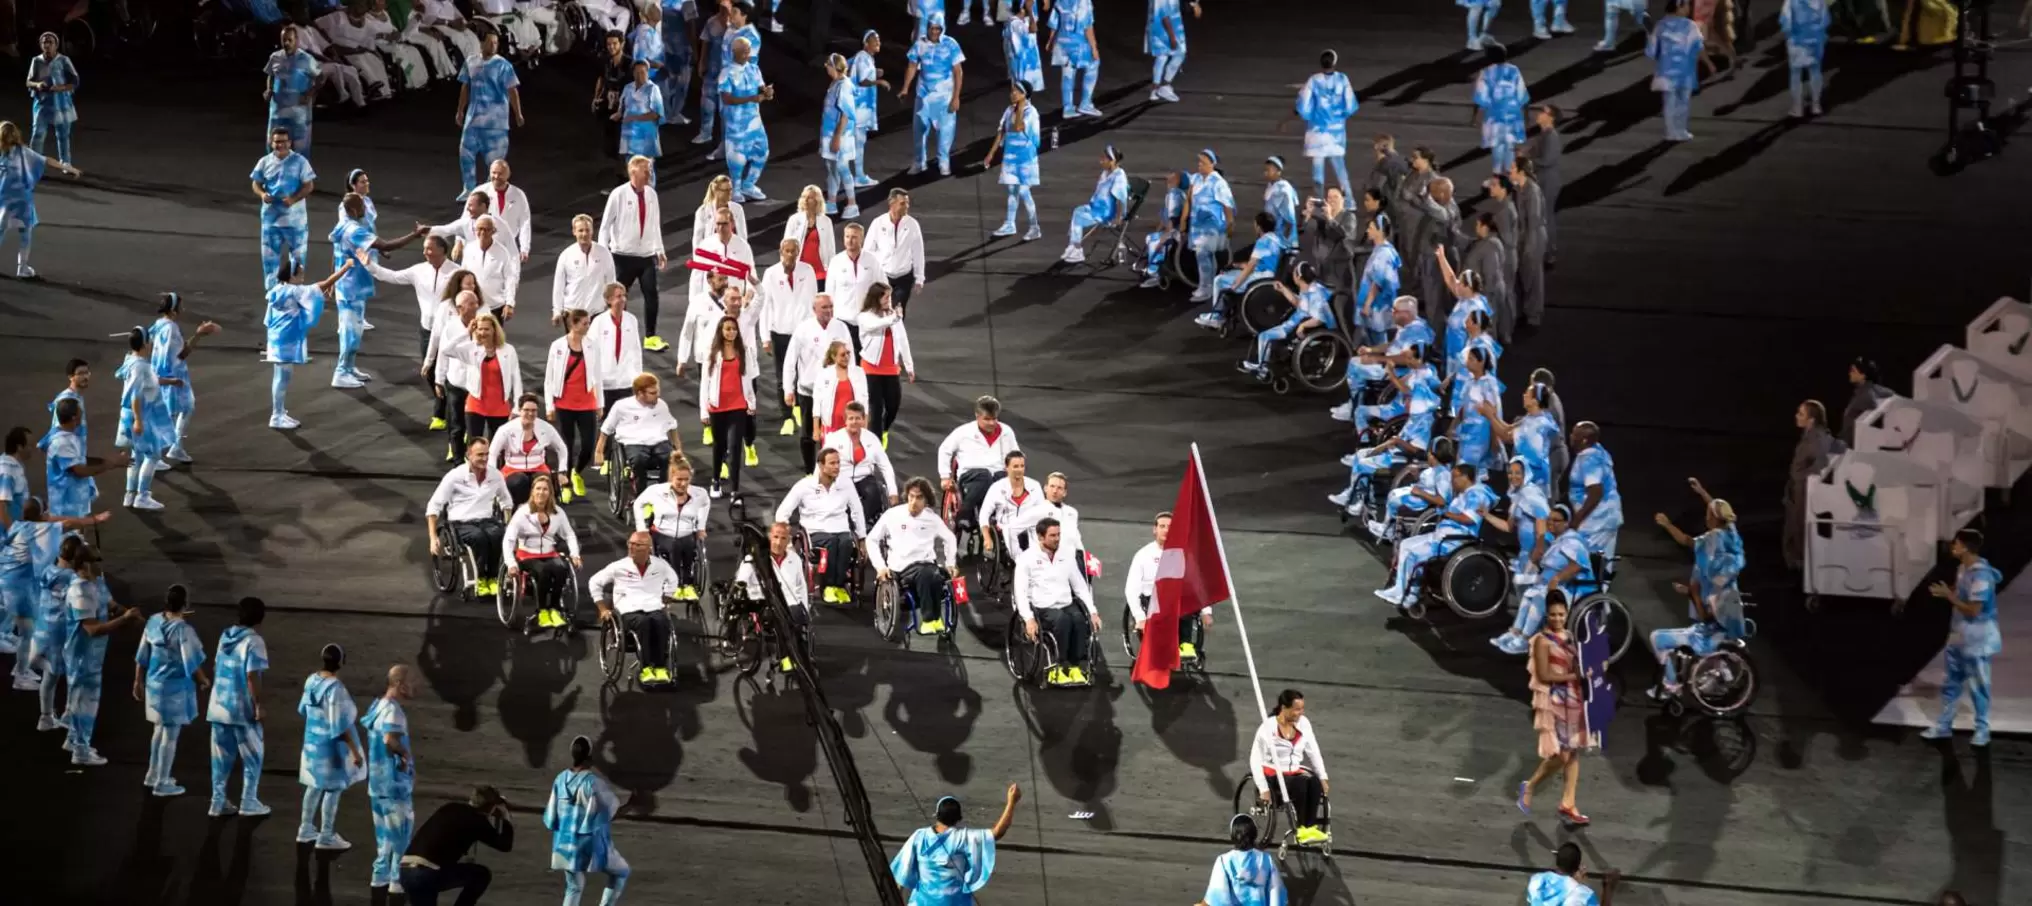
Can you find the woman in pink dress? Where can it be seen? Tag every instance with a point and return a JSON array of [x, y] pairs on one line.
[[1558, 711]]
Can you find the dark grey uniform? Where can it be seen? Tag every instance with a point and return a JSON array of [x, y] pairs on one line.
[[1530, 252], [1544, 147]]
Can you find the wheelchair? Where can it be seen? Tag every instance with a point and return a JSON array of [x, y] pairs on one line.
[[857, 570], [620, 657], [1402, 475], [1261, 306], [623, 484], [897, 615], [456, 569], [751, 640], [1030, 661], [1722, 684], [1277, 822], [1181, 263], [516, 605], [1107, 244], [1615, 616], [703, 609], [1316, 362], [1132, 645], [1473, 581], [1377, 393]]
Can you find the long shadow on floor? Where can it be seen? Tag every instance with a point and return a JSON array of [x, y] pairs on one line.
[[540, 693], [1972, 827]]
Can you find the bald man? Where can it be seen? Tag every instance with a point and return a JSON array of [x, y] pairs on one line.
[[391, 776], [635, 590]]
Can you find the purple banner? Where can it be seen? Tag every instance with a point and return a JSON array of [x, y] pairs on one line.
[[1594, 674]]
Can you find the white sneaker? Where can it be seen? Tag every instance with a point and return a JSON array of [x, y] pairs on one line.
[[253, 808], [703, 138], [1338, 498], [46, 723], [1074, 255], [719, 153], [347, 382], [366, 326], [283, 422], [177, 453], [1797, 112], [862, 182], [965, 19], [1344, 412], [24, 272], [1033, 234], [168, 790], [754, 193], [1377, 529], [306, 834], [146, 502], [853, 212], [1541, 34], [1935, 733], [945, 169], [915, 170], [1168, 93], [1007, 229], [1200, 296], [220, 809], [28, 684], [716, 492], [776, 27], [1348, 459], [1156, 95], [1148, 283], [1604, 46], [395, 887], [1390, 595], [1090, 110], [127, 499], [89, 758], [333, 843]]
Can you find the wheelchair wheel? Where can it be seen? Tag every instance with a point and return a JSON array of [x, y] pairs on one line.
[[1025, 659], [620, 495], [1132, 640], [1272, 820], [613, 652], [1723, 684], [1182, 263], [1319, 362], [745, 643], [1426, 520], [889, 610], [706, 609], [446, 570], [1475, 583], [508, 604], [1263, 307], [1615, 619]]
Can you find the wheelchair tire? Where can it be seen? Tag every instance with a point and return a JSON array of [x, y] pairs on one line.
[[613, 654], [745, 644], [1280, 385], [1475, 583], [706, 609], [888, 610], [508, 604], [1723, 684], [445, 573], [1263, 307], [1023, 658], [1132, 640], [619, 495], [1319, 362], [1616, 618]]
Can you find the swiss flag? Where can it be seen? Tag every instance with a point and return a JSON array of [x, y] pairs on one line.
[[1192, 575], [712, 263]]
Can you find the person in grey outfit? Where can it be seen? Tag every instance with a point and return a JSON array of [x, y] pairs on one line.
[[1543, 147], [1488, 256], [1815, 448], [1531, 240], [1439, 227], [1327, 237], [1866, 395]]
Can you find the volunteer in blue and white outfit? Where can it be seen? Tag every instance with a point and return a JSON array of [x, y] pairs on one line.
[[1805, 25], [1377, 291], [170, 356], [1677, 48], [646, 45], [332, 758], [20, 170], [235, 712], [1210, 205], [52, 80], [50, 626], [946, 864], [1325, 103], [1281, 201], [1475, 392], [1613, 10], [1244, 875], [67, 472], [292, 82], [736, 27], [1714, 603], [580, 817], [1261, 265], [1532, 438], [640, 116], [989, 9], [868, 88], [838, 138], [1566, 887], [1418, 400], [1073, 49], [490, 101], [1311, 309], [1973, 638], [742, 93], [282, 180], [1157, 243], [1481, 15], [1561, 564], [1466, 288], [168, 672], [679, 31], [1019, 47], [293, 309], [146, 426], [1558, 26], [354, 242], [1019, 139], [935, 66], [86, 627], [1110, 201], [31, 546], [924, 11], [1164, 41], [1591, 490], [1500, 97], [1530, 511], [1462, 523], [391, 776]]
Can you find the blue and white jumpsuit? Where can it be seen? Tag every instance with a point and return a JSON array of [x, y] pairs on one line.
[[49, 643], [1266, 253], [293, 309], [351, 294], [1566, 550], [1154, 243], [1593, 466], [1971, 644], [842, 118], [1400, 503], [646, 45], [1360, 373], [1019, 47], [1377, 291], [489, 81], [1325, 103], [1474, 436], [20, 170], [1281, 200], [54, 111], [285, 228], [1612, 10], [642, 137], [1528, 506], [69, 495], [1070, 50], [713, 46], [1315, 303], [84, 661], [326, 768], [1559, 25], [580, 817], [1676, 46], [1501, 94], [723, 60], [1805, 25], [169, 657], [1021, 135], [1246, 877], [1419, 405], [1717, 562], [680, 38], [944, 868], [148, 434], [1207, 230], [1110, 199], [1167, 56], [935, 64], [30, 549], [291, 80], [165, 342], [863, 72], [1413, 552], [1481, 15], [236, 734], [1533, 441], [391, 782], [747, 142], [1454, 355]]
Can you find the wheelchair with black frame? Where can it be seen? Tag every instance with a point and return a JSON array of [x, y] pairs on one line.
[[1107, 244], [455, 567], [1315, 361], [817, 559], [635, 468], [1720, 683], [1192, 651], [696, 572], [1373, 495], [1595, 596], [961, 518], [520, 599], [1277, 819], [1180, 266], [621, 648], [750, 637], [1472, 580], [1037, 662], [1255, 305], [898, 613]]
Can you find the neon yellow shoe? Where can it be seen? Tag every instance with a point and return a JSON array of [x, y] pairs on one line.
[[1055, 676], [649, 674], [451, 453], [723, 469], [753, 459], [931, 627], [1311, 834], [578, 483], [1075, 675], [437, 424], [708, 435], [885, 440], [1187, 650], [687, 593], [654, 344], [789, 428], [605, 466], [785, 665], [564, 495]]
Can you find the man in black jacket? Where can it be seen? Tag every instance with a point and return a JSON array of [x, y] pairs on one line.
[[433, 863]]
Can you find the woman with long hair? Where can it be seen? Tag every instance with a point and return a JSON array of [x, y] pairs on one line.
[[811, 226], [727, 402], [538, 539], [840, 381], [493, 375], [571, 387], [885, 358], [1559, 712], [719, 193]]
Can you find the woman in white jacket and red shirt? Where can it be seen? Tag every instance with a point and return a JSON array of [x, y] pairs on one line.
[[523, 448], [885, 358], [839, 381], [493, 375], [727, 403], [537, 540], [571, 390], [812, 229]]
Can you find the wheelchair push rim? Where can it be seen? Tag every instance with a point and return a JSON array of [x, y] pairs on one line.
[[1723, 684], [1320, 361], [1616, 621], [1263, 307], [1475, 583], [888, 610]]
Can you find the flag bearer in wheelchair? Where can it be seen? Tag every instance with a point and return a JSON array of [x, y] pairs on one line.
[[1111, 199], [1461, 524], [1311, 309], [830, 512], [1561, 563], [970, 458], [472, 495], [914, 532], [674, 514], [1053, 594], [1159, 244], [1262, 265], [1418, 400], [635, 590], [789, 570], [1139, 589], [1973, 639], [538, 539], [1716, 604], [1372, 365], [1014, 506]]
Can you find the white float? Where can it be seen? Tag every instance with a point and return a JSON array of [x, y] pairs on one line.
[[1955, 377], [1872, 526], [2002, 336], [1940, 438]]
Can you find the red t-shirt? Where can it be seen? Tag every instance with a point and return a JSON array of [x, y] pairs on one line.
[[730, 398], [860, 451], [492, 400], [576, 398], [842, 395], [808, 252], [884, 362]]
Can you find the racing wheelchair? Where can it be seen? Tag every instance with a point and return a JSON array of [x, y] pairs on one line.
[[1277, 822], [623, 483], [1107, 244], [518, 602], [1030, 661], [455, 569], [1719, 684]]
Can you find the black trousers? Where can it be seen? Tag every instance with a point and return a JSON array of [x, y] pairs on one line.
[[609, 397], [550, 574], [1305, 794], [455, 417], [483, 426], [422, 885], [641, 271], [681, 552], [974, 485], [806, 444], [874, 498], [926, 584], [885, 396], [900, 289], [649, 463], [732, 432], [519, 484], [580, 428], [422, 343], [1072, 629], [651, 629], [779, 343], [839, 554], [483, 538]]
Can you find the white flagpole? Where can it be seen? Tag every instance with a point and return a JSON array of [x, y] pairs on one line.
[[1235, 601]]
